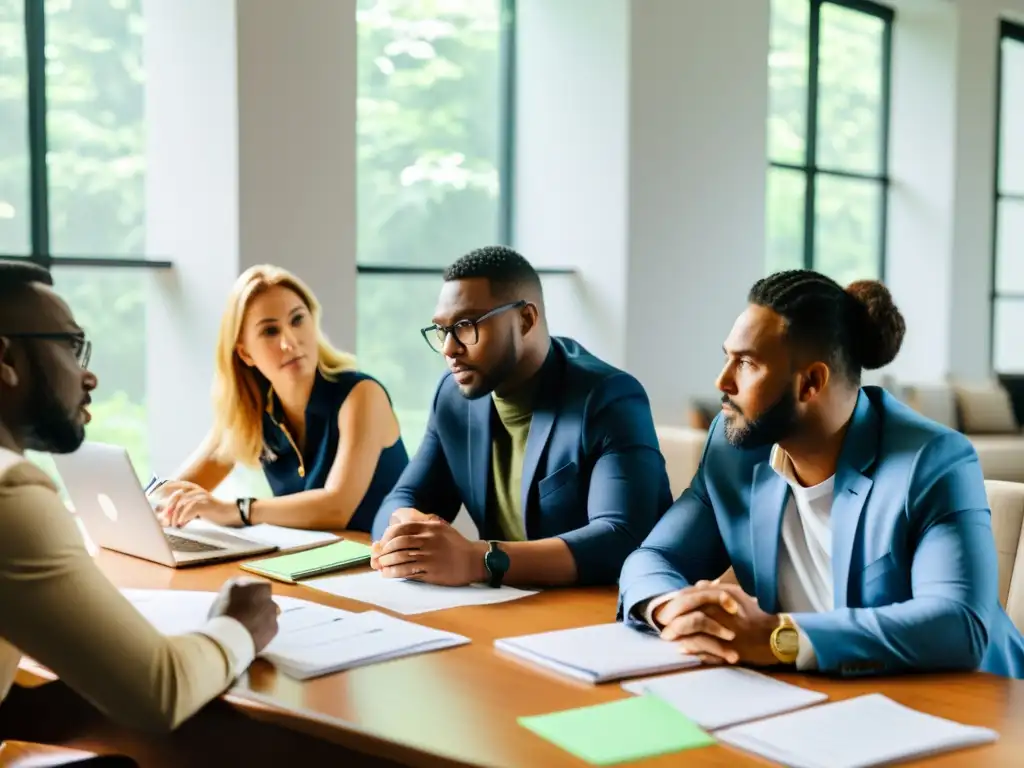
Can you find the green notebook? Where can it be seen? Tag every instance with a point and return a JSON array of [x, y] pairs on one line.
[[620, 731], [311, 562]]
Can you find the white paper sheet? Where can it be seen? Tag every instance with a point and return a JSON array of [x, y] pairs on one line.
[[285, 539], [718, 697], [412, 597], [598, 653], [312, 639], [857, 733]]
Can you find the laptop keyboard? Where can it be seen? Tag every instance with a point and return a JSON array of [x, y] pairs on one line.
[[181, 544]]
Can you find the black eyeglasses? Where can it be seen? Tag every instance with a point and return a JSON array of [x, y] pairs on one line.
[[80, 346], [464, 331]]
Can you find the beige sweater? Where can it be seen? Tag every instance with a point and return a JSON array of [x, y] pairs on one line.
[[58, 607]]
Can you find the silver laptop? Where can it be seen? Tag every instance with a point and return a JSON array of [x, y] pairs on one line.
[[112, 506]]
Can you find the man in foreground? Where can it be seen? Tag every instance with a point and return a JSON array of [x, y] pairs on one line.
[[552, 451], [58, 607], [859, 531]]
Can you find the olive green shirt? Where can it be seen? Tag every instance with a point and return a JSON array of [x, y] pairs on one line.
[[509, 434]]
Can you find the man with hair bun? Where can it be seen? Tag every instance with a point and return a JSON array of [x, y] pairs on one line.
[[858, 531]]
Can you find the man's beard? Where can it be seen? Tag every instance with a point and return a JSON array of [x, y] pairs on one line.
[[775, 424], [500, 373], [48, 427]]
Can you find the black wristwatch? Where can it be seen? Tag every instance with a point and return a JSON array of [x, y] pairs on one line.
[[244, 510], [496, 561]]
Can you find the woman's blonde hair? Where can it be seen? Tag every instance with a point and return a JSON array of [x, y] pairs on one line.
[[240, 391]]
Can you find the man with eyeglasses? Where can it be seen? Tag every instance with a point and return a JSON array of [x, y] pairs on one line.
[[552, 451], [58, 607]]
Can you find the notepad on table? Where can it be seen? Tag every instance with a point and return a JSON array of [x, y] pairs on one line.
[[285, 539], [723, 696], [856, 733], [619, 731], [311, 562], [598, 653], [410, 597]]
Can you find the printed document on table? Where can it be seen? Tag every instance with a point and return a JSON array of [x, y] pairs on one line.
[[856, 733], [411, 597], [722, 696], [598, 653]]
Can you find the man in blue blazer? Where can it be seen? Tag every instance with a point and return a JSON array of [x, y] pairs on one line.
[[858, 531], [552, 451]]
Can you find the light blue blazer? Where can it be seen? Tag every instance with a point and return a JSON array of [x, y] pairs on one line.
[[913, 557]]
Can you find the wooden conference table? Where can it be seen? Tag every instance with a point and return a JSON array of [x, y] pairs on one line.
[[458, 707]]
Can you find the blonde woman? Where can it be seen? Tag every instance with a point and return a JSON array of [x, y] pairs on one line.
[[325, 434]]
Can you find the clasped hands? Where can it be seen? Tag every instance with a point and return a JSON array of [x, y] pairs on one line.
[[719, 624], [423, 547]]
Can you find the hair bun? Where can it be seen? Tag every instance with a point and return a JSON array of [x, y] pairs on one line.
[[879, 327]]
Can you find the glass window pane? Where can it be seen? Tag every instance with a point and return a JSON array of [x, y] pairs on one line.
[[849, 135], [787, 81], [15, 216], [390, 311], [785, 219], [847, 228], [1011, 112], [110, 304], [96, 162], [1010, 247], [1009, 349], [428, 119]]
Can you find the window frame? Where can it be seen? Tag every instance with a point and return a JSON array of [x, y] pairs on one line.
[[1008, 30], [506, 158], [40, 251], [810, 169]]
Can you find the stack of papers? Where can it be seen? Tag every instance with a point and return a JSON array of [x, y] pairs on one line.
[[856, 733], [312, 640], [410, 597], [722, 696], [285, 539], [619, 731], [599, 653]]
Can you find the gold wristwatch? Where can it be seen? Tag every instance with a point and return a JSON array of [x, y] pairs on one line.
[[785, 641]]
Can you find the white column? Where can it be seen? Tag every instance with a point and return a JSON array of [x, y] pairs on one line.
[[698, 142], [251, 159], [634, 168], [572, 163], [970, 327], [922, 168]]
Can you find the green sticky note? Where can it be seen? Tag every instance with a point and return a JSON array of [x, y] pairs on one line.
[[620, 731], [311, 562]]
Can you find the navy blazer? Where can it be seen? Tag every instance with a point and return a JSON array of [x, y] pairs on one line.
[[593, 474], [915, 574]]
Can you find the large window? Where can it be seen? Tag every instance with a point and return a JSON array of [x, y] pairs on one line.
[[72, 164], [433, 149], [1008, 267], [829, 70]]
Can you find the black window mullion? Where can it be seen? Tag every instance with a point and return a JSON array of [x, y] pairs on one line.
[[35, 50], [811, 141], [883, 214]]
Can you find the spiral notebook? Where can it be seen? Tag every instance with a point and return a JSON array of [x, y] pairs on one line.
[[311, 562]]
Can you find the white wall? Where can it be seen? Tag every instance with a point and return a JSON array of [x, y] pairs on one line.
[[631, 167], [698, 141], [572, 163], [251, 159]]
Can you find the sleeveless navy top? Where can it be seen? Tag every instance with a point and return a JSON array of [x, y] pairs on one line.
[[287, 472]]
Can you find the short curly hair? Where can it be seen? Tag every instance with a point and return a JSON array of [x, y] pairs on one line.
[[16, 275], [507, 271]]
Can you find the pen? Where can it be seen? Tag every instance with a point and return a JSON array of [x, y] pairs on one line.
[[153, 484]]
